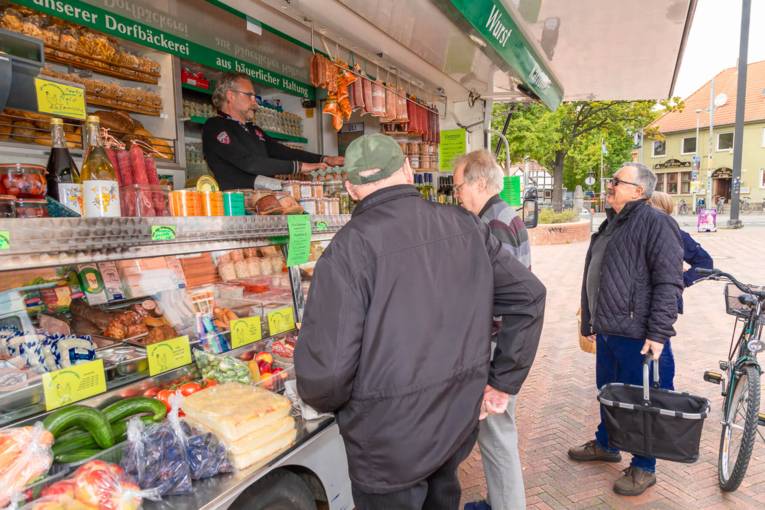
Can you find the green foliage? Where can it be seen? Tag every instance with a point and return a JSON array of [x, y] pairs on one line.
[[572, 134], [548, 216]]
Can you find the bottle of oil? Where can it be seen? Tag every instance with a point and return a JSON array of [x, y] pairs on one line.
[[63, 176], [100, 190]]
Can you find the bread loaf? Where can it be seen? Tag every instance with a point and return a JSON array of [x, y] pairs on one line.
[[119, 122]]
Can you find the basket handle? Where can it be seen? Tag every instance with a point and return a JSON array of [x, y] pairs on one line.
[[647, 359]]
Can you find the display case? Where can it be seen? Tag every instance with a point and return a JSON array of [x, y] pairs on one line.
[[77, 292]]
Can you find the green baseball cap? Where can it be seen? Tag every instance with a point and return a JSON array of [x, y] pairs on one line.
[[371, 152]]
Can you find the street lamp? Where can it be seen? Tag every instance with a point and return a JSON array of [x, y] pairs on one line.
[[695, 168]]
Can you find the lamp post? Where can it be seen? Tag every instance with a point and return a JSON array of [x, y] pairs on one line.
[[695, 166]]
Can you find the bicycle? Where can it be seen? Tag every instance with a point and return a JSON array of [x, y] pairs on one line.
[[741, 394]]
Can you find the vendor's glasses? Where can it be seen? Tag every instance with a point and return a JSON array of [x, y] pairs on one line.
[[252, 95]]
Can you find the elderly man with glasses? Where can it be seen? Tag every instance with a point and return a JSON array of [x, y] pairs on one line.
[[633, 277], [237, 150]]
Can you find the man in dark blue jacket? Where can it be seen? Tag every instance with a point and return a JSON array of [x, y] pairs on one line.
[[633, 277]]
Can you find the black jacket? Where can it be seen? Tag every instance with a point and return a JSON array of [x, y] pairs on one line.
[[237, 153], [395, 336], [641, 276]]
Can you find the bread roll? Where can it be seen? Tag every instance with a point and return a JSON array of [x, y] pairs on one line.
[[24, 131], [119, 122], [6, 127]]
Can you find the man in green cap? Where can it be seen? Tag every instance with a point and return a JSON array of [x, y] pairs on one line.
[[394, 335]]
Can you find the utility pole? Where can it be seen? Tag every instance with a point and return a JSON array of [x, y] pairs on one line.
[[708, 200], [694, 169], [738, 136]]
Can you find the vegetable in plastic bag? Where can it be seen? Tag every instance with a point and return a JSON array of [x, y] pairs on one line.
[[222, 368], [207, 456], [25, 454]]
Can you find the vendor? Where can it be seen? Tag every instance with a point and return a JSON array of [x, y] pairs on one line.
[[237, 150]]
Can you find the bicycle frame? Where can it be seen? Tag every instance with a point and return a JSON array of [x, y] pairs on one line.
[[744, 356]]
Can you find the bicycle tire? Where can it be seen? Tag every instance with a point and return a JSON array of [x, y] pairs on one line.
[[751, 376]]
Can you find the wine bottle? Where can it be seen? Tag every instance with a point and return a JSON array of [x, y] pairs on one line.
[[63, 176], [101, 195]]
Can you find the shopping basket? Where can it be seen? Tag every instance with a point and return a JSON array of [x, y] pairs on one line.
[[653, 422]]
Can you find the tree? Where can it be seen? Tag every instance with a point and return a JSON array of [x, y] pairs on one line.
[[568, 140]]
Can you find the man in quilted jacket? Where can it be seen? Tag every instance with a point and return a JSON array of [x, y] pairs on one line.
[[633, 277]]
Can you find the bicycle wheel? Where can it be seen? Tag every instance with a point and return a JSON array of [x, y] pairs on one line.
[[739, 429]]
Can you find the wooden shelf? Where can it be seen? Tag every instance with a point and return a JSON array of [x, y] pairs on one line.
[[89, 63]]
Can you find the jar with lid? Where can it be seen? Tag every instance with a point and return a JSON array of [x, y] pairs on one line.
[[31, 208], [7, 206]]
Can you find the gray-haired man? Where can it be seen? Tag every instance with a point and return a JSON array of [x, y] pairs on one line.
[[633, 277], [478, 180]]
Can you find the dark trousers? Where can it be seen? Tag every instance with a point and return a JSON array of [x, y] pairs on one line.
[[439, 491], [618, 359]]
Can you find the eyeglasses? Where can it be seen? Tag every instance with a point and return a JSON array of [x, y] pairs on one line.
[[252, 95], [458, 187], [615, 181]]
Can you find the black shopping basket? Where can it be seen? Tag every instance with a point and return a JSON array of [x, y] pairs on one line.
[[653, 423]]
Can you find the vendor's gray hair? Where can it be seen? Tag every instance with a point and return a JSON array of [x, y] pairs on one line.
[[481, 165], [227, 82], [645, 177]]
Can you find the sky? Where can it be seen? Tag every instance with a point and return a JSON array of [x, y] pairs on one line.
[[714, 39]]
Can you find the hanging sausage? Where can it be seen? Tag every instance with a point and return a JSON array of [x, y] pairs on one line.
[[378, 99]]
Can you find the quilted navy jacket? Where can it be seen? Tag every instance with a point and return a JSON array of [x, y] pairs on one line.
[[641, 276]]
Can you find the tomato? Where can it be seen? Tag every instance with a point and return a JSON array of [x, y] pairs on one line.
[[130, 392], [190, 388], [209, 383], [164, 397], [151, 392]]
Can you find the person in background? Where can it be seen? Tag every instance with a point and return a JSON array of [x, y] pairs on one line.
[[237, 150], [478, 179], [633, 278], [693, 254], [394, 334]]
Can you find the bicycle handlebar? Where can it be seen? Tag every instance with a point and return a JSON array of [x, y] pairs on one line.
[[716, 273]]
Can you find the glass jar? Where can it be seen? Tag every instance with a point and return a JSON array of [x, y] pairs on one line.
[[31, 208], [7, 206], [23, 181]]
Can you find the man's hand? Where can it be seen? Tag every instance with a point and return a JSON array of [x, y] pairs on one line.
[[334, 160], [592, 338], [494, 402], [310, 167], [654, 347]]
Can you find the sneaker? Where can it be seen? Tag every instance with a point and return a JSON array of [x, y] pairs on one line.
[[591, 450], [634, 482], [478, 505]]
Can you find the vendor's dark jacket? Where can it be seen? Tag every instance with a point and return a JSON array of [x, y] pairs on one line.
[[236, 153], [395, 336], [641, 276]]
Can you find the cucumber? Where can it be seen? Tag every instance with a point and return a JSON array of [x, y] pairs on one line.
[[132, 406], [75, 456], [81, 440], [87, 418]]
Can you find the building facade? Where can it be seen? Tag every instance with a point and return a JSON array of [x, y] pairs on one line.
[[672, 157]]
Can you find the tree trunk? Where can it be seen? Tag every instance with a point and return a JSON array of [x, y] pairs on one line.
[[557, 198]]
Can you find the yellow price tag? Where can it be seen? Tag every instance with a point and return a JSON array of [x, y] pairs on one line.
[[245, 331], [59, 99], [281, 320], [72, 384], [168, 355]]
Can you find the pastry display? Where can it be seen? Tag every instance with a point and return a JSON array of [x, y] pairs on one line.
[[139, 323]]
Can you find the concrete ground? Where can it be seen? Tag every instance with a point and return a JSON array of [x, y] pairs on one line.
[[557, 406]]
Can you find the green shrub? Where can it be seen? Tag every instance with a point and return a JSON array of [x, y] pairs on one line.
[[548, 216]]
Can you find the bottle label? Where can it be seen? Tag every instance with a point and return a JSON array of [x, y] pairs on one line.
[[101, 199], [70, 194]]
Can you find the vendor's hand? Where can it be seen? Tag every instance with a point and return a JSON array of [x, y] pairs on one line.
[[654, 347], [311, 167], [334, 160], [494, 402]]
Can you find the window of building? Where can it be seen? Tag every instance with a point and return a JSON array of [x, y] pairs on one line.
[[659, 148], [685, 183], [672, 184], [763, 137], [724, 141], [689, 145], [762, 178], [660, 182]]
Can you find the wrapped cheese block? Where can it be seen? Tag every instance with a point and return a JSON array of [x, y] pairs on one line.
[[253, 423]]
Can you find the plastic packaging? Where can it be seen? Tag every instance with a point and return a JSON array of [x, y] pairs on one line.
[[25, 454], [222, 368], [233, 203], [144, 200], [212, 203], [186, 203]]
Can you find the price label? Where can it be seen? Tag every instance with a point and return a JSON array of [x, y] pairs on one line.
[[72, 384], [5, 240], [280, 321], [59, 99], [168, 355], [162, 233], [245, 331], [299, 245]]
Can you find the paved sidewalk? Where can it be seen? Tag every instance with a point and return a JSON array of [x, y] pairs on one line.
[[557, 407]]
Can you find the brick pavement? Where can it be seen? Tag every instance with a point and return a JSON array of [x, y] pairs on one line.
[[557, 406]]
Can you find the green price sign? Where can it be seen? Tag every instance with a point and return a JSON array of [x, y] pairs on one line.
[[299, 244], [5, 240], [162, 233]]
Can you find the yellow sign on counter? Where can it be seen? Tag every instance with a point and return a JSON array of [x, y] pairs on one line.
[[72, 384], [168, 355], [245, 331], [281, 320], [59, 99]]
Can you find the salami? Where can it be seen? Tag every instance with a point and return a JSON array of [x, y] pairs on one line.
[[125, 167], [139, 165], [112, 155], [151, 170], [390, 106]]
